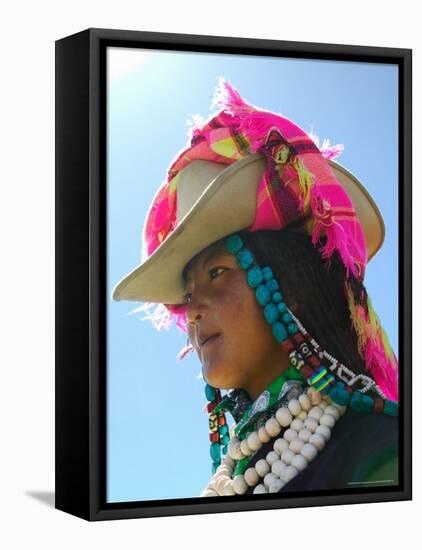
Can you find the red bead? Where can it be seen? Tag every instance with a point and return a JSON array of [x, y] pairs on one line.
[[211, 406], [214, 437], [287, 345], [306, 371], [298, 338], [314, 361], [221, 420]]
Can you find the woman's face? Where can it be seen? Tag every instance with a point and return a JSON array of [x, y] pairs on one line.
[[242, 352]]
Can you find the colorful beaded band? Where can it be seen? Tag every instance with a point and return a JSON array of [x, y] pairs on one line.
[[218, 428]]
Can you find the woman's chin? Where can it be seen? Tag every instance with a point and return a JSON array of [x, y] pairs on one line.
[[217, 377]]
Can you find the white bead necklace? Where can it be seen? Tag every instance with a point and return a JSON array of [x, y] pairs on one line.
[[307, 423]]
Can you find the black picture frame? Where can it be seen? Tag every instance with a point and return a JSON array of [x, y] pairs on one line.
[[81, 270]]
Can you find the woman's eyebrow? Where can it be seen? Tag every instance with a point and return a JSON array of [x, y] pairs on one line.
[[207, 258]]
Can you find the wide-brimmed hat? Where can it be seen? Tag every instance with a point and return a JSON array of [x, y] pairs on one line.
[[251, 169], [215, 200]]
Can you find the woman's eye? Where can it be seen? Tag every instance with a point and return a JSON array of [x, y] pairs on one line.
[[187, 298], [215, 270]]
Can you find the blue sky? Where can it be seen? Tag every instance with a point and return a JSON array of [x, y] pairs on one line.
[[157, 431]]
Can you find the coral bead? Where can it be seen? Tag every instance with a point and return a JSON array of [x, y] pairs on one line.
[[278, 467], [327, 420], [311, 424], [273, 427], [305, 402], [318, 440], [262, 467], [281, 445], [269, 478], [228, 489], [297, 424], [251, 477], [296, 445], [323, 404], [283, 416], [244, 447], [324, 431], [272, 457], [290, 434], [239, 485], [314, 396], [276, 486], [299, 462], [287, 455], [294, 407], [223, 470], [263, 435], [315, 412], [254, 442], [305, 434], [228, 461], [309, 451], [289, 473], [234, 449], [220, 484]]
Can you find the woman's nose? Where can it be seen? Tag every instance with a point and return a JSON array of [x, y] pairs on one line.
[[196, 308]]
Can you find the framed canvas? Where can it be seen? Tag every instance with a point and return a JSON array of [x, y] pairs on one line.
[[174, 394]]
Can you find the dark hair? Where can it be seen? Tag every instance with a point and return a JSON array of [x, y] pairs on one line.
[[313, 289]]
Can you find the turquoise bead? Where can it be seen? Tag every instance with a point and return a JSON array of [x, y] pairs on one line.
[[361, 403], [340, 384], [245, 258], [276, 297], [339, 396], [272, 285], [210, 392], [287, 318], [267, 272], [225, 449], [234, 244], [262, 295], [223, 429], [271, 313], [254, 276], [215, 452], [214, 467], [391, 408], [279, 332], [225, 439], [292, 328], [282, 308]]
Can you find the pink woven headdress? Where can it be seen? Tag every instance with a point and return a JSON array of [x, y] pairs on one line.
[[297, 184]]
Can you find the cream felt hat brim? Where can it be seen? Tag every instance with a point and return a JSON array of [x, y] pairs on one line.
[[222, 201]]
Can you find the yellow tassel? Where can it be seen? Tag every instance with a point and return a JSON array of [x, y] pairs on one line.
[[305, 181], [359, 322], [373, 318]]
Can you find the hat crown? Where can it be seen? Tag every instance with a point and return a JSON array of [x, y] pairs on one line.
[[193, 181]]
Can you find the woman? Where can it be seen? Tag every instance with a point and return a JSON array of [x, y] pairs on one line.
[[257, 245]]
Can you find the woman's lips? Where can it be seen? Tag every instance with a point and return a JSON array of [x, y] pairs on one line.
[[210, 340]]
